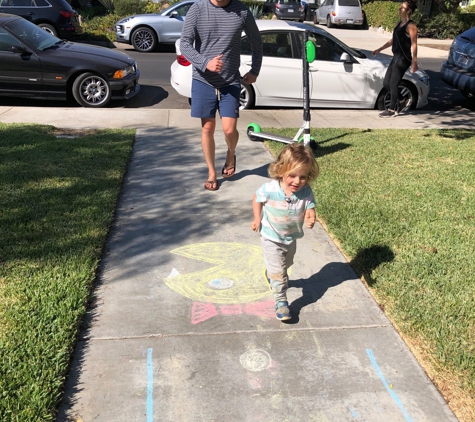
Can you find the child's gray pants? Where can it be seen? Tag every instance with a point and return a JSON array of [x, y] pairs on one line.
[[278, 258]]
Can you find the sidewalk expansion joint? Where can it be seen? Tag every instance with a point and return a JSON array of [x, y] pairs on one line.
[[221, 333]]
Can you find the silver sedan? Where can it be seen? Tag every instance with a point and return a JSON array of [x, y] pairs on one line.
[[145, 32]]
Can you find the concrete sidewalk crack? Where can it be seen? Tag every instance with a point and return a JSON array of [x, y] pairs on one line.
[[221, 333]]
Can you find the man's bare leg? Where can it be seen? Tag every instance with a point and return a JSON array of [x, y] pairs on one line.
[[231, 135], [208, 127]]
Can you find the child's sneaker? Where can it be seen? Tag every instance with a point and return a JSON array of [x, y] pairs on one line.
[[282, 311]]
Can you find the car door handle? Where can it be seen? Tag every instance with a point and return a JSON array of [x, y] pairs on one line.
[[313, 69]]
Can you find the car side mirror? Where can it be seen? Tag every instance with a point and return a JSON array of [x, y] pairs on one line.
[[19, 49], [345, 57], [174, 14]]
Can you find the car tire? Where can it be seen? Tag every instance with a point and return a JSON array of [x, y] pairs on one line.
[[144, 39], [246, 97], [329, 22], [50, 29], [406, 90], [91, 90]]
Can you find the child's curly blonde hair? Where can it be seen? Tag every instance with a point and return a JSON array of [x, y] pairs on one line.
[[295, 158]]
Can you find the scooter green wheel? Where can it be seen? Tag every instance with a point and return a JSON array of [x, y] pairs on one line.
[[312, 139], [254, 128], [313, 144]]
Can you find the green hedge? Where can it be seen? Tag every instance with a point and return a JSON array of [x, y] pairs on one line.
[[440, 25], [385, 14], [446, 25]]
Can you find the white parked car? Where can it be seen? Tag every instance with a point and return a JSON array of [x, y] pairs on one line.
[[340, 77]]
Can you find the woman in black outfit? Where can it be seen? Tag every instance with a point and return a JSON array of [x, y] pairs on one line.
[[404, 48]]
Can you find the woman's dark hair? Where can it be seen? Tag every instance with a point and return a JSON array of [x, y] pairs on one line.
[[412, 5]]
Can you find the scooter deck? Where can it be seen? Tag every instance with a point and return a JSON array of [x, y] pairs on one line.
[[262, 136]]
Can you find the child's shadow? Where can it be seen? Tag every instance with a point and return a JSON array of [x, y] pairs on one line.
[[314, 287], [362, 265]]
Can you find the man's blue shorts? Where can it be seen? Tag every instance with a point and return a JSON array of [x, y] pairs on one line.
[[205, 100]]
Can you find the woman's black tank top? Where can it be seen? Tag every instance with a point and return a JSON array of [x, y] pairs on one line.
[[402, 41]]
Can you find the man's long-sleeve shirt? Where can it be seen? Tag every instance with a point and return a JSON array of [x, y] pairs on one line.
[[209, 31]]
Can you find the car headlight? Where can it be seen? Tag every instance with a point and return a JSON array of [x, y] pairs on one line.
[[119, 74], [423, 77], [126, 19]]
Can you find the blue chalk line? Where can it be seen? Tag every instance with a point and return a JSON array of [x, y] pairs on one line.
[[386, 385]]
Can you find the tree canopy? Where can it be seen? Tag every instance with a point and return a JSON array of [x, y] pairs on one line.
[[447, 6]]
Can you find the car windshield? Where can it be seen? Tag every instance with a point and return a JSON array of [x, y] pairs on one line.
[[32, 35], [355, 53]]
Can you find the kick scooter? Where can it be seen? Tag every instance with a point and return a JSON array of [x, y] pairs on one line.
[[254, 131]]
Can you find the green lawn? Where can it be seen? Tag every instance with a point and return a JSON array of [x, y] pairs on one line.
[[401, 205], [57, 201]]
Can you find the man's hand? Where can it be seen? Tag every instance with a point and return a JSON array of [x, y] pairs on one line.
[[310, 218], [215, 64], [255, 225], [249, 78]]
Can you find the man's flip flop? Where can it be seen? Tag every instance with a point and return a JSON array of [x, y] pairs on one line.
[[211, 185], [226, 167]]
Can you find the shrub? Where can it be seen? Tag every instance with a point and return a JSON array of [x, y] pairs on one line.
[[100, 28], [129, 7], [440, 25], [382, 14], [446, 25]]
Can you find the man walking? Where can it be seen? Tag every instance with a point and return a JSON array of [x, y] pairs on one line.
[[211, 42]]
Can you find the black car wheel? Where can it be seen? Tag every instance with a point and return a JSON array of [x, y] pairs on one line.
[[329, 22], [144, 40], [407, 97], [246, 98], [91, 90], [48, 28]]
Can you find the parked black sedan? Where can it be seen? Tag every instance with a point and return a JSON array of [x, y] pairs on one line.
[[36, 64]]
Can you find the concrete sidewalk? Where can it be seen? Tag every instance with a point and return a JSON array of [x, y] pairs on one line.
[[183, 327], [149, 118]]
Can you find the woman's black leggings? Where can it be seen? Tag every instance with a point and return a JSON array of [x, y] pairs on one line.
[[393, 77]]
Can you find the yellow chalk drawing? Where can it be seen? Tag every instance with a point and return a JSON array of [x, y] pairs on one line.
[[235, 277], [319, 350]]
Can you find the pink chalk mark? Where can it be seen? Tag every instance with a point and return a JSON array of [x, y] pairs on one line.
[[262, 309], [202, 311], [231, 309]]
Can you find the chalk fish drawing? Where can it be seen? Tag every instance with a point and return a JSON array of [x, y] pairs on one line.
[[234, 278]]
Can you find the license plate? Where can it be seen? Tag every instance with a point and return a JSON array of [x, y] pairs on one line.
[[462, 61], [290, 10], [349, 21]]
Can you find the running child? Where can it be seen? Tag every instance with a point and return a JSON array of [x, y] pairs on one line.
[[280, 209]]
